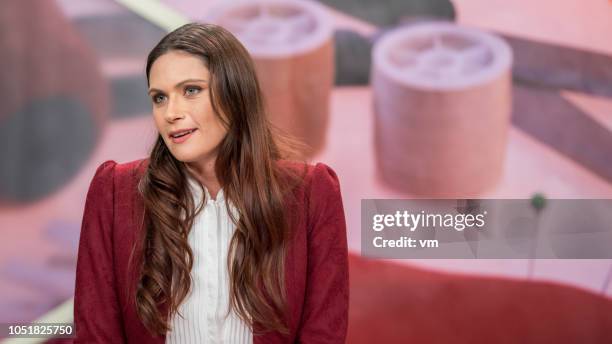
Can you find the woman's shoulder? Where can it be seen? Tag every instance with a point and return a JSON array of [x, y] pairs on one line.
[[134, 168], [318, 181], [312, 172], [121, 171], [119, 177]]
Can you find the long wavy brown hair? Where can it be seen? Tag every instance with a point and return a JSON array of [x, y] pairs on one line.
[[252, 179]]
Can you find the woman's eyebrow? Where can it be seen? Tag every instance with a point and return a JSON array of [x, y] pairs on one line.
[[151, 90]]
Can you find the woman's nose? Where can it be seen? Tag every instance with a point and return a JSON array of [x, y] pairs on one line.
[[173, 111]]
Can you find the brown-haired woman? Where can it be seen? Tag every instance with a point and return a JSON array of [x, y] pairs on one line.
[[217, 237]]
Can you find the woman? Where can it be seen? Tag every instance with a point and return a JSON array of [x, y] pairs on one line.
[[217, 236]]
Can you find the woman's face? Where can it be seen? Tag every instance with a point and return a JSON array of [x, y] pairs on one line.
[[179, 91]]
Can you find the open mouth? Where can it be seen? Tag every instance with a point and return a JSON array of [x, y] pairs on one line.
[[182, 133]]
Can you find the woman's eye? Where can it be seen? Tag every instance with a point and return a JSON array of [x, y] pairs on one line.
[[192, 90], [158, 98]]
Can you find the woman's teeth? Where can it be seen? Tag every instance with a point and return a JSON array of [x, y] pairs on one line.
[[183, 133]]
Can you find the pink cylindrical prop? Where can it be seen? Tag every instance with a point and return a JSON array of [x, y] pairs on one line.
[[291, 42], [442, 103]]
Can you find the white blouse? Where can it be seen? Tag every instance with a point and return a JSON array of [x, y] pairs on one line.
[[205, 306]]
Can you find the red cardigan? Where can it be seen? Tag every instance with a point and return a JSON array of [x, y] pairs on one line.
[[316, 266]]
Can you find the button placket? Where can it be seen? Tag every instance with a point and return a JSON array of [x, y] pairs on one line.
[[212, 268], [212, 229]]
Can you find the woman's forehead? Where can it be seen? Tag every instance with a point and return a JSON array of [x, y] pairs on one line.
[[176, 66]]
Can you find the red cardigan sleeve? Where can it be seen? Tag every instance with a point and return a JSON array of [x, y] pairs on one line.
[[325, 312], [96, 308]]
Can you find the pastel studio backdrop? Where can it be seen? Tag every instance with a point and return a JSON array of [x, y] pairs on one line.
[[404, 99]]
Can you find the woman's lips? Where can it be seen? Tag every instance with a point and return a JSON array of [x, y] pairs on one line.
[[182, 138]]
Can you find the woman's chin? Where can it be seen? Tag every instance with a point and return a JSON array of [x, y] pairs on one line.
[[189, 157], [186, 158]]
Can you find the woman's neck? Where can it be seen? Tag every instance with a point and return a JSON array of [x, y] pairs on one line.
[[204, 172]]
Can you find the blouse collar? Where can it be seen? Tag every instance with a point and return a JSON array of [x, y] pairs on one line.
[[195, 188]]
